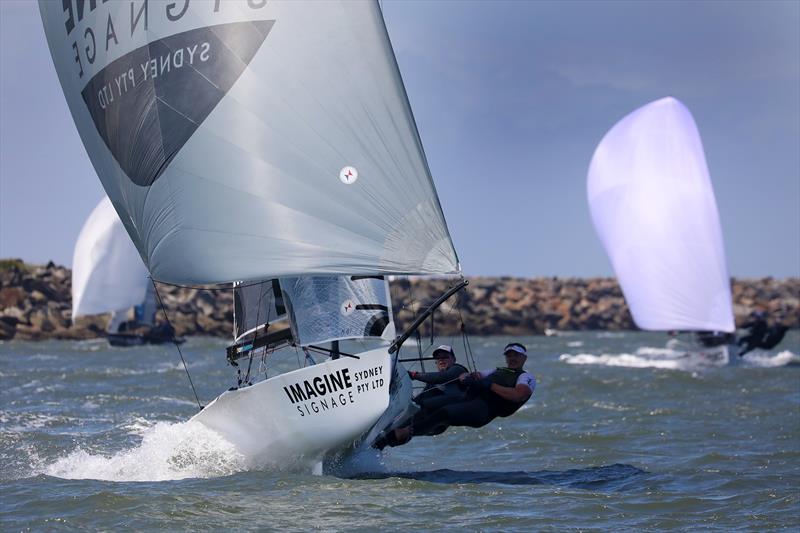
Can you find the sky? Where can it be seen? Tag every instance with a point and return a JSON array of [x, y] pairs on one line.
[[511, 99]]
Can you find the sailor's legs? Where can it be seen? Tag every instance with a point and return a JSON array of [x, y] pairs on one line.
[[473, 413]]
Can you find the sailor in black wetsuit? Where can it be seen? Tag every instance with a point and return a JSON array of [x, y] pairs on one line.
[[757, 326], [442, 386], [492, 393]]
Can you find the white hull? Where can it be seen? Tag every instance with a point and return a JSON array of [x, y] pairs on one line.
[[302, 417], [724, 354]]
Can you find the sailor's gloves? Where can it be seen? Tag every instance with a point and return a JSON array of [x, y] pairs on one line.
[[413, 374]]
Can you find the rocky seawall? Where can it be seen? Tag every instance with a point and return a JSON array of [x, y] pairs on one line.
[[35, 304]]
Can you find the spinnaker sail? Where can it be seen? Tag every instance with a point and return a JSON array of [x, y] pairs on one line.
[[249, 140], [107, 272], [653, 207], [269, 145]]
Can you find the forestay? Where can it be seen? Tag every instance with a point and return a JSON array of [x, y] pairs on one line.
[[107, 272], [247, 140], [653, 207]]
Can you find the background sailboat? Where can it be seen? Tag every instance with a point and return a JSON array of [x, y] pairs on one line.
[[108, 277], [653, 207], [249, 142]]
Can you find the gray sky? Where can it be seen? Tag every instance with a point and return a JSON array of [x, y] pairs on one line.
[[511, 99]]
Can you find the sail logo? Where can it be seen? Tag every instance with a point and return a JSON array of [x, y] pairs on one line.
[[347, 308], [100, 30], [148, 103], [348, 175]]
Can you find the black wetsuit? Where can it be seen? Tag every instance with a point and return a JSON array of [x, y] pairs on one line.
[[773, 337], [441, 386], [754, 338], [476, 410]]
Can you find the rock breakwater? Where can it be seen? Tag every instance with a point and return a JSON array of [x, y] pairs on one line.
[[35, 304]]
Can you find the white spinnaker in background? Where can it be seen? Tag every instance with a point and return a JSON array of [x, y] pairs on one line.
[[244, 180], [653, 206], [107, 271]]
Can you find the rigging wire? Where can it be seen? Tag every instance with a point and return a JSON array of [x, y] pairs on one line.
[[413, 304], [255, 333], [465, 336], [175, 342]]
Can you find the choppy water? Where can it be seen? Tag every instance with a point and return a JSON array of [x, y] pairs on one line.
[[620, 435]]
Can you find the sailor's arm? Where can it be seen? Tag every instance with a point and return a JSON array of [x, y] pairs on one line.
[[520, 393], [435, 378]]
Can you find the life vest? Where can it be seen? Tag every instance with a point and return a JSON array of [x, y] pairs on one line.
[[505, 377]]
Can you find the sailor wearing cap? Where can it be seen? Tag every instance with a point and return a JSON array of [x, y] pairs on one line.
[[445, 382], [491, 393], [505, 389]]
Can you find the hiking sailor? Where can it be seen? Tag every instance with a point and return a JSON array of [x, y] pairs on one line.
[[761, 334], [492, 393], [443, 385], [757, 327]]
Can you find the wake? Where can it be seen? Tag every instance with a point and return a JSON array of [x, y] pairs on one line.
[[168, 451], [665, 358], [184, 450]]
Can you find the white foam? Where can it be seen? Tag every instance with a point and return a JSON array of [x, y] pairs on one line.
[[761, 358], [651, 357], [646, 357], [624, 359], [167, 451], [610, 335]]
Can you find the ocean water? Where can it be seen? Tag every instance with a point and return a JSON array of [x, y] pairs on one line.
[[621, 434]]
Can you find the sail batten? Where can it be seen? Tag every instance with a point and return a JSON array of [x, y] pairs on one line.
[[653, 207], [256, 140]]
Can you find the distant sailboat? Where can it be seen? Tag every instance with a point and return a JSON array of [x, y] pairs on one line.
[[653, 207], [108, 276], [270, 147]]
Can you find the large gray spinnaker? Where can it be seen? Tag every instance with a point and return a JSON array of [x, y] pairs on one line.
[[653, 206], [247, 140]]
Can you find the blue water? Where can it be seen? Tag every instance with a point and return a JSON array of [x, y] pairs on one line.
[[620, 434]]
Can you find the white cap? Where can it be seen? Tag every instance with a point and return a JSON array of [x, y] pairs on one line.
[[516, 347], [444, 348]]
